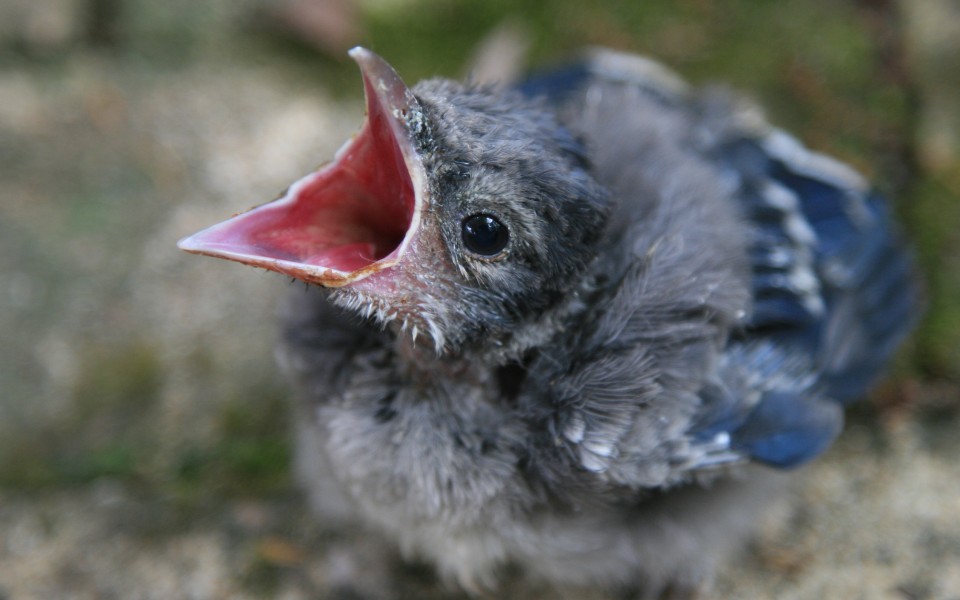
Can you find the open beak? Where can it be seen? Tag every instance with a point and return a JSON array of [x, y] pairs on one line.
[[352, 218]]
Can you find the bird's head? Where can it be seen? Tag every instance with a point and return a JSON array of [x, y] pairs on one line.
[[458, 214]]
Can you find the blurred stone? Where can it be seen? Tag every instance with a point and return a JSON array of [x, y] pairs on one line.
[[933, 46], [41, 26], [330, 26], [279, 551], [252, 516], [501, 55]]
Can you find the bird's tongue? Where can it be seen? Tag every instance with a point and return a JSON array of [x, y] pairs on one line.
[[348, 220]]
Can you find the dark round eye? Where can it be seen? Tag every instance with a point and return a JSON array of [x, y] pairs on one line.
[[484, 234]]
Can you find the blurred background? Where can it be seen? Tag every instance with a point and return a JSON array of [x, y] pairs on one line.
[[143, 427]]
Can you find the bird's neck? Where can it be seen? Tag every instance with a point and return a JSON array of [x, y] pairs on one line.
[[495, 351], [415, 355]]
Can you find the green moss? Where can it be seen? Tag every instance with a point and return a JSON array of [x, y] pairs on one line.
[[108, 431], [250, 453], [104, 430], [262, 577], [24, 465], [244, 466], [51, 456], [123, 378], [254, 448], [111, 460], [933, 215]]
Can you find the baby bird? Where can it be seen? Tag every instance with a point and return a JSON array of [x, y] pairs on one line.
[[577, 325]]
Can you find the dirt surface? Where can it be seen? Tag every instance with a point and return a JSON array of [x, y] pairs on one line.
[[143, 435]]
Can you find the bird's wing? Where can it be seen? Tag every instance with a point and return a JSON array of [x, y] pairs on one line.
[[833, 295], [831, 277], [833, 289]]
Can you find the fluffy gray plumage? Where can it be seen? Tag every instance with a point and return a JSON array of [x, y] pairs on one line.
[[593, 402]]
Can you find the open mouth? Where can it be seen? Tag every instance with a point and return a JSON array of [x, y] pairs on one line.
[[350, 219]]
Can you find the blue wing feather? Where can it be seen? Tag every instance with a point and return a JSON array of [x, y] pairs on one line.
[[556, 84], [869, 294], [865, 298], [785, 430]]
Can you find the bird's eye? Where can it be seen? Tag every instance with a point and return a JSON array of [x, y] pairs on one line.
[[484, 234]]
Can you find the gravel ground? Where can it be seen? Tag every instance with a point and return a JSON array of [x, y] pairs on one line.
[[876, 519], [142, 450]]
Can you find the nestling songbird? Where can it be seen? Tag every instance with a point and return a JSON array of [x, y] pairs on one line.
[[578, 324]]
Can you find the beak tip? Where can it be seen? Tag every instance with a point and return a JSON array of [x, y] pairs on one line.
[[365, 58], [376, 71], [191, 243], [187, 243], [184, 244]]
